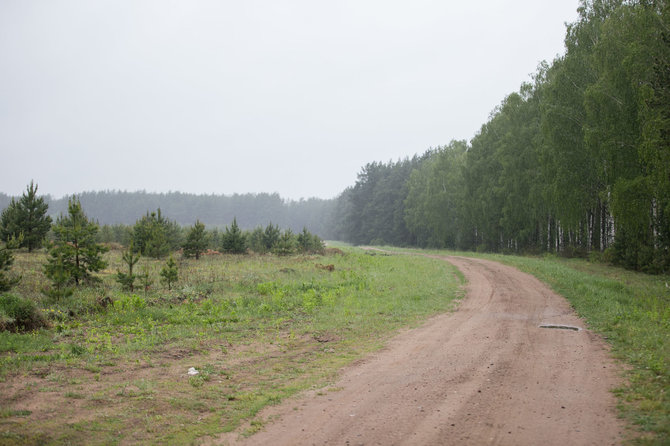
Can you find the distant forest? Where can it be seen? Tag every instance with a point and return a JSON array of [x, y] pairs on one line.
[[577, 163], [251, 210]]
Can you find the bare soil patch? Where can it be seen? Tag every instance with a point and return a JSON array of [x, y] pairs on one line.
[[486, 374]]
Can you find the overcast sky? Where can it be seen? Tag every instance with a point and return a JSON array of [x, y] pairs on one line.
[[225, 97]]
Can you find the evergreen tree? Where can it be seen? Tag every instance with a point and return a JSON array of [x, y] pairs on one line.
[[169, 273], [74, 253], [285, 245], [255, 241], [155, 236], [27, 217], [308, 243], [271, 237], [59, 271], [196, 241], [145, 279], [6, 260], [127, 280], [9, 221], [234, 240]]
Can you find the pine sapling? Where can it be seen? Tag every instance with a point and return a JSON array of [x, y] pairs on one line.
[[169, 273]]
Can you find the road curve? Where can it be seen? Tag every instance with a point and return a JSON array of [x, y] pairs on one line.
[[485, 374]]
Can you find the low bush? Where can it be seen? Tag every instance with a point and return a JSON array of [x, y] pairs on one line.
[[19, 314]]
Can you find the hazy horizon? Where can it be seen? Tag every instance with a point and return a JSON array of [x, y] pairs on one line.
[[210, 97]]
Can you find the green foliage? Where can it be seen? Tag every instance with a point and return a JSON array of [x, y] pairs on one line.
[[58, 270], [7, 282], [308, 243], [573, 163], [145, 279], [26, 219], [169, 273], [271, 237], [196, 241], [74, 255], [127, 280], [631, 310], [233, 240], [129, 303], [19, 314], [255, 241], [375, 206], [156, 236], [285, 245]]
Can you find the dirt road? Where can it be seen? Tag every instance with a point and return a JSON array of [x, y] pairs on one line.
[[485, 374]]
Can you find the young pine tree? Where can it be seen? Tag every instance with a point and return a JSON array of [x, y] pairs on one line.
[[75, 252], [271, 237], [170, 273], [7, 282], [285, 245], [127, 280], [155, 236], [26, 218], [145, 279], [234, 240], [196, 241]]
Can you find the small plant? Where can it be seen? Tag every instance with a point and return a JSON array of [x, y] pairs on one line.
[[19, 314], [127, 280], [128, 303], [6, 260], [60, 279], [145, 279], [169, 273]]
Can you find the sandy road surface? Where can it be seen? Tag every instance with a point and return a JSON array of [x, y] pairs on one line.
[[485, 374]]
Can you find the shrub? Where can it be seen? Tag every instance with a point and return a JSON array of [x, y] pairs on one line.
[[19, 314]]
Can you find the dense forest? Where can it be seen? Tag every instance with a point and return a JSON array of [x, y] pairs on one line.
[[250, 210], [576, 162]]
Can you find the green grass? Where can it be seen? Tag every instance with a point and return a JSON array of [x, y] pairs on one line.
[[257, 328], [631, 311]]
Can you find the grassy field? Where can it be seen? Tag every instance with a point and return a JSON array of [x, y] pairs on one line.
[[257, 328]]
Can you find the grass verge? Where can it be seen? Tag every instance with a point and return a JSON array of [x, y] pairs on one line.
[[631, 311]]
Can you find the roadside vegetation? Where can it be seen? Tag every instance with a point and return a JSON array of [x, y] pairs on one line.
[[111, 366], [631, 311]]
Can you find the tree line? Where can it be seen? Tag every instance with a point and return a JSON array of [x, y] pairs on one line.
[[576, 162], [251, 210], [75, 249]]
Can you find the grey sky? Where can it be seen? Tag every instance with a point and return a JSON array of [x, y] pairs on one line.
[[210, 96]]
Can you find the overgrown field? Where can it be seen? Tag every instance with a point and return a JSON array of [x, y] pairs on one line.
[[112, 368]]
